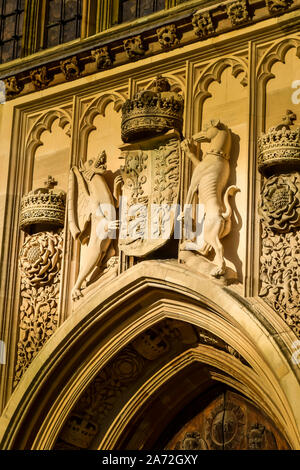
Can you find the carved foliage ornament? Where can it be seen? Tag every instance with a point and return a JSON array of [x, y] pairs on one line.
[[280, 202], [238, 12], [280, 274], [168, 36], [202, 24], [39, 263]]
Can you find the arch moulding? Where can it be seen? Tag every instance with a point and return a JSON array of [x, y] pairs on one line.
[[111, 317]]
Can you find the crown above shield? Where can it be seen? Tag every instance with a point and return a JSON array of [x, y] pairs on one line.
[[152, 112]]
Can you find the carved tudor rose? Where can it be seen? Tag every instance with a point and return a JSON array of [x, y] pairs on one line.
[[280, 202], [168, 36], [238, 12], [40, 258], [202, 24]]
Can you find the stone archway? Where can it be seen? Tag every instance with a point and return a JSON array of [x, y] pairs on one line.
[[242, 355]]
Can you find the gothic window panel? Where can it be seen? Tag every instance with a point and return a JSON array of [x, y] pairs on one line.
[[132, 9], [11, 29], [63, 21]]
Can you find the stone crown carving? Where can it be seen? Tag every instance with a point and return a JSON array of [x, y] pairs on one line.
[[152, 112], [43, 206], [280, 147]]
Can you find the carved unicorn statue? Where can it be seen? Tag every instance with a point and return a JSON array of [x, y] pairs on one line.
[[209, 180]]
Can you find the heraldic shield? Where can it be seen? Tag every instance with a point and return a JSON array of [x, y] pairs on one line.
[[150, 193]]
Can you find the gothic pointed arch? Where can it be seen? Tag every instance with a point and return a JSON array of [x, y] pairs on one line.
[[141, 298], [96, 107]]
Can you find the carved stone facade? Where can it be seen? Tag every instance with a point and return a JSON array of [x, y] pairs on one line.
[[40, 266], [158, 289], [279, 209], [108, 389]]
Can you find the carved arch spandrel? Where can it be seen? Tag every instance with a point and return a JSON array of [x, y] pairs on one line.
[[42, 124], [213, 72], [96, 107], [275, 53]]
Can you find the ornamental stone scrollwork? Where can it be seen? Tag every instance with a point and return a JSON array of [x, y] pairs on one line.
[[280, 274], [92, 220], [278, 6], [70, 68], [238, 12], [102, 57], [40, 78], [168, 36], [134, 47], [40, 265], [225, 427], [202, 24], [279, 209], [209, 184]]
